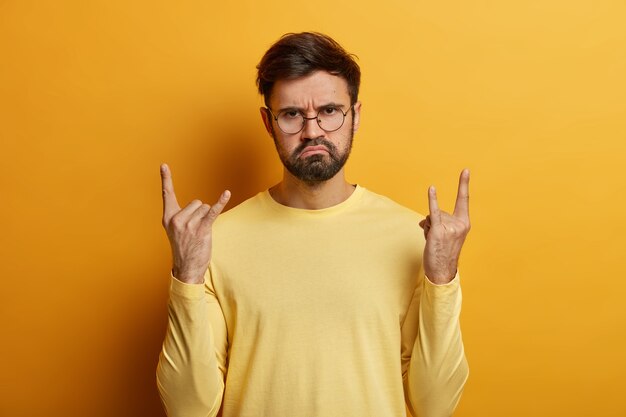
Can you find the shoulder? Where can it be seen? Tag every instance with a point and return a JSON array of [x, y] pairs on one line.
[[389, 207], [243, 211]]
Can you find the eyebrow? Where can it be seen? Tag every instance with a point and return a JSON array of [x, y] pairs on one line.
[[301, 110]]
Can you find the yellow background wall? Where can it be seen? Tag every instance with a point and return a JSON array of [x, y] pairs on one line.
[[94, 95]]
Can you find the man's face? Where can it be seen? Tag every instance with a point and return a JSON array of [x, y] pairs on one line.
[[312, 155]]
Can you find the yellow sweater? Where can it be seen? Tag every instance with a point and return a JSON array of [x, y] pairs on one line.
[[314, 313]]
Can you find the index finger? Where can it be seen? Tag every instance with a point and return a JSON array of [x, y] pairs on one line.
[[170, 204], [461, 207]]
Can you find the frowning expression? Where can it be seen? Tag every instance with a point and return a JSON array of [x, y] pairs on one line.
[[313, 154]]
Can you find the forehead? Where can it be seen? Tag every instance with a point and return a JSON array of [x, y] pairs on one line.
[[314, 89]]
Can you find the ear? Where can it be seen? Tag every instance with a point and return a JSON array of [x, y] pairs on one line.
[[357, 115], [267, 121]]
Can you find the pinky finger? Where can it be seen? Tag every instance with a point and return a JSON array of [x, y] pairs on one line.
[[217, 208]]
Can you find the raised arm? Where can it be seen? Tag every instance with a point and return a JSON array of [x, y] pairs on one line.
[[192, 363], [434, 364]]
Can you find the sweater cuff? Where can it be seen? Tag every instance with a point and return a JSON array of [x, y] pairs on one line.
[[442, 302], [182, 289], [451, 286]]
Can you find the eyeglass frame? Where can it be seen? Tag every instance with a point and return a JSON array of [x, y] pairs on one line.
[[304, 118]]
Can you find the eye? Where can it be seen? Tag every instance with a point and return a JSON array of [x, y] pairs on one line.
[[290, 114], [329, 111]]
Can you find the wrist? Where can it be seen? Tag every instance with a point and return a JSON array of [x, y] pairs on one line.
[[440, 278], [188, 277]]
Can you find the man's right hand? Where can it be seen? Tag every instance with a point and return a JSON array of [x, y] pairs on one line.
[[189, 231]]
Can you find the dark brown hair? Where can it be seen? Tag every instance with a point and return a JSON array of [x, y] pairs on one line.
[[296, 55]]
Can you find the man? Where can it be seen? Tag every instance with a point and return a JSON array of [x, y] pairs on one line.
[[316, 297]]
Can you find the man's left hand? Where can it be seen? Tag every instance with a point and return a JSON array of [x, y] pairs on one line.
[[445, 234]]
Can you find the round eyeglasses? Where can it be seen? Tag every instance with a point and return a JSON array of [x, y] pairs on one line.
[[292, 121]]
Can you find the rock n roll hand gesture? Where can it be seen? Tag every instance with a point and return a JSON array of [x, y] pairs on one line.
[[189, 231], [445, 234]]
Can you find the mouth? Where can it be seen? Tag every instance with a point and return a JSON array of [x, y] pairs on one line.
[[313, 150]]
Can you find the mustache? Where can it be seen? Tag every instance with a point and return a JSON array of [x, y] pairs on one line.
[[316, 142]]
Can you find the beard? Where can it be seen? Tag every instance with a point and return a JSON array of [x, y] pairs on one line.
[[318, 167]]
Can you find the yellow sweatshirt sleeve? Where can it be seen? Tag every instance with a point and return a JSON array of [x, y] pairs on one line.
[[434, 364], [192, 363]]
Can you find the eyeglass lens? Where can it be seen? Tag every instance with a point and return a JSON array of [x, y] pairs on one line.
[[328, 118]]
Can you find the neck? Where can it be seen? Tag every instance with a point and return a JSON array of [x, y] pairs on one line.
[[293, 192]]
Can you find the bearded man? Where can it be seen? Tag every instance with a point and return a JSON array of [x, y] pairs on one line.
[[316, 297]]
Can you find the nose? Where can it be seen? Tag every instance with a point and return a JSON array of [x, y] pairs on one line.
[[312, 129]]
